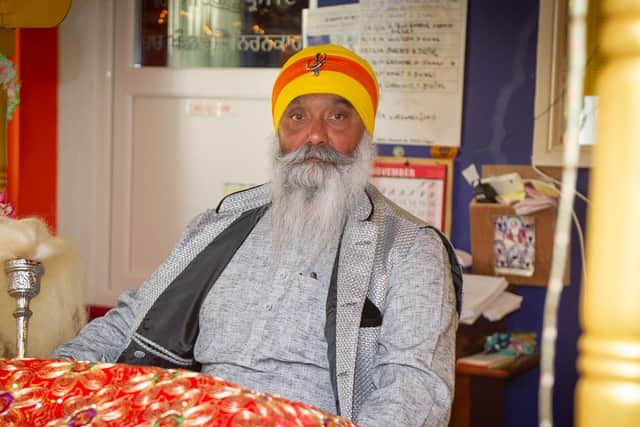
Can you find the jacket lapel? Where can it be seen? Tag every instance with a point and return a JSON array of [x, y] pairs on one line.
[[354, 275]]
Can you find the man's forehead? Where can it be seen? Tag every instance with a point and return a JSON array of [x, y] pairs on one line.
[[332, 98]]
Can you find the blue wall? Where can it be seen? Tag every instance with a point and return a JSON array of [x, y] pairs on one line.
[[497, 128]]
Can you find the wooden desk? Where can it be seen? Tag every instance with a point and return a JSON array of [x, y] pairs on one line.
[[479, 394]]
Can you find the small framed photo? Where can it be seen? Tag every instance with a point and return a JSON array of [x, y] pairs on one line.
[[514, 245]]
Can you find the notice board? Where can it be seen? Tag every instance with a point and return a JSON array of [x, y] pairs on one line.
[[417, 50]]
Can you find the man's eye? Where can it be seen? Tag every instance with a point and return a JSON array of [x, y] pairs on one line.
[[296, 116], [338, 116]]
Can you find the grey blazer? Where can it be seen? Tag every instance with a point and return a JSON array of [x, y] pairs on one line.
[[400, 372]]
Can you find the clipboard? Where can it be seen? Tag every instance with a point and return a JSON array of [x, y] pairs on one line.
[[421, 186]]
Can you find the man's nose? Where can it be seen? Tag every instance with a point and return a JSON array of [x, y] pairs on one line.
[[318, 131]]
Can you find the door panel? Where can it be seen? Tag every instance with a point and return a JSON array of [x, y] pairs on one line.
[[144, 149], [180, 135]]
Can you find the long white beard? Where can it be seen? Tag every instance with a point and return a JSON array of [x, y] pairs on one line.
[[311, 200]]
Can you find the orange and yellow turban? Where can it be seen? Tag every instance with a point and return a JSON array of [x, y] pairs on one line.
[[327, 69]]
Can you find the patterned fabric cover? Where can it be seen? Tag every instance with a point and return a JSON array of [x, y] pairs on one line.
[[37, 392]]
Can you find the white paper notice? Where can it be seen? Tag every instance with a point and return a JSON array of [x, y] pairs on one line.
[[334, 24], [417, 49]]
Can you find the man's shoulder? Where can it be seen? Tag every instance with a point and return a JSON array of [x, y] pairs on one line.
[[230, 206], [386, 209], [428, 238], [243, 200]]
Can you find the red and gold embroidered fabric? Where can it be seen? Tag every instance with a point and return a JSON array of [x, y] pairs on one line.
[[37, 392]]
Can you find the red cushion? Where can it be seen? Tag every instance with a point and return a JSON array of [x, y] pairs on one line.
[[97, 311], [38, 392]]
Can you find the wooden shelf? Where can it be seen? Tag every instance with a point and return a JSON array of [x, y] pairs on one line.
[[505, 372], [479, 394]]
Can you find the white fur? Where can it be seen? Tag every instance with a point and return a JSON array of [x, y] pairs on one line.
[[58, 311]]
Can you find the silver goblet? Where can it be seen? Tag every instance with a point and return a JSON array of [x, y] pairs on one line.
[[24, 284]]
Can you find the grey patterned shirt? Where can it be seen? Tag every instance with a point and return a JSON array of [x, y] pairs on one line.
[[262, 327]]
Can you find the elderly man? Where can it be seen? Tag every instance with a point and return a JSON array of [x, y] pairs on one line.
[[314, 287]]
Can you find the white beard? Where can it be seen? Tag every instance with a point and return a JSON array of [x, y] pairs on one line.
[[311, 200]]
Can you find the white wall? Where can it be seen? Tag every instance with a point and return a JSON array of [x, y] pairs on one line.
[[84, 123]]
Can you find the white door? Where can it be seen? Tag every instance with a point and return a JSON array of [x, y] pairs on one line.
[[163, 144]]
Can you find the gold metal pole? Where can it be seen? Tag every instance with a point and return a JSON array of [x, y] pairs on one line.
[[608, 392]]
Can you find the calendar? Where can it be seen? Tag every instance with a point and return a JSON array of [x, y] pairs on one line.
[[419, 189]]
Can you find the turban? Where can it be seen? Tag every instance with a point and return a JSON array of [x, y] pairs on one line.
[[327, 69]]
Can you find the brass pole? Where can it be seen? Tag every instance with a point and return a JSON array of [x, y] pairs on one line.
[[608, 392]]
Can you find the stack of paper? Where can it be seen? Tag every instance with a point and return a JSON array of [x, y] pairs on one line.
[[532, 205], [508, 186], [487, 360], [505, 303], [479, 293]]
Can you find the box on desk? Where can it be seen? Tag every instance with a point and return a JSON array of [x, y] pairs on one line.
[[482, 219]]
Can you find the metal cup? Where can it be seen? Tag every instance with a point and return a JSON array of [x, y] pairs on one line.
[[24, 283]]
